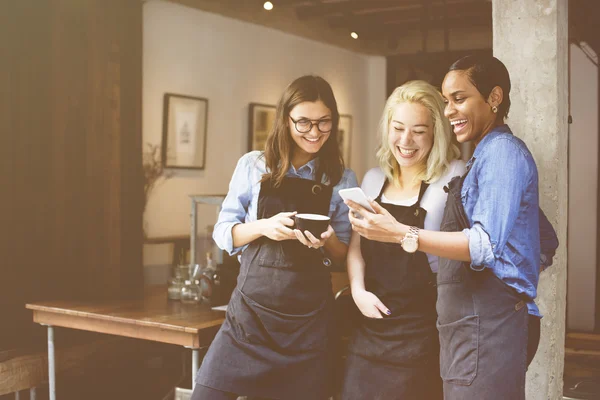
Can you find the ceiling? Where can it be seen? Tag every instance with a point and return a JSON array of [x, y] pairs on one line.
[[386, 27], [380, 24]]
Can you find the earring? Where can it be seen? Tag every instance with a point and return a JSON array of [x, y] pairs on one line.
[[494, 109]]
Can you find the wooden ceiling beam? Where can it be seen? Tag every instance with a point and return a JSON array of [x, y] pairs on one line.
[[350, 7], [473, 9], [391, 31]]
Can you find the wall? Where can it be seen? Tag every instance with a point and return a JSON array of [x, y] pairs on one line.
[[583, 189], [233, 63]]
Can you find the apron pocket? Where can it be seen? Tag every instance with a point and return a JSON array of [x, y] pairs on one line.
[[402, 340], [286, 333], [273, 256], [449, 271], [459, 348]]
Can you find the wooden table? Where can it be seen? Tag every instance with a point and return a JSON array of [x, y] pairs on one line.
[[151, 318]]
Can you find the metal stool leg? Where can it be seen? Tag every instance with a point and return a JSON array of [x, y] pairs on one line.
[[195, 365], [51, 364]]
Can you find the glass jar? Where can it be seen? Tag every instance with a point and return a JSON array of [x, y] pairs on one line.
[[190, 292], [174, 288]]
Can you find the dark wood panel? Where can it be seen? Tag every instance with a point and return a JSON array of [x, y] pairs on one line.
[[411, 14], [132, 176], [25, 176], [71, 165], [321, 9]]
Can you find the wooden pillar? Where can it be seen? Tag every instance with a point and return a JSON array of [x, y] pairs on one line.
[[70, 171]]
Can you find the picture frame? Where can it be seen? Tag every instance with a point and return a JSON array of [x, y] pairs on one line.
[[261, 118], [185, 123], [344, 137]]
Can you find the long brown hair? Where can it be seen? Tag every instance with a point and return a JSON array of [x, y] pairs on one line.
[[280, 145]]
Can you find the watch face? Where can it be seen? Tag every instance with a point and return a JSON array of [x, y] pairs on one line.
[[409, 244]]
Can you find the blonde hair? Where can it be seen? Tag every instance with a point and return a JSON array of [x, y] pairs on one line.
[[443, 150]]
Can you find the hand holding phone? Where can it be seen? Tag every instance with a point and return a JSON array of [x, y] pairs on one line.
[[357, 195]]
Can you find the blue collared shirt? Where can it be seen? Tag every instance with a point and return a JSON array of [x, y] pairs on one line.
[[241, 203], [501, 201]]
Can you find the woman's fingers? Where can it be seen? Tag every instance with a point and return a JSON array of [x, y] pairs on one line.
[[377, 207], [301, 238], [381, 307], [358, 209], [287, 221], [327, 234], [285, 233], [313, 240]]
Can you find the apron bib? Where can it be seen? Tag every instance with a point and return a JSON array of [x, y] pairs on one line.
[[482, 324], [396, 357], [278, 329]]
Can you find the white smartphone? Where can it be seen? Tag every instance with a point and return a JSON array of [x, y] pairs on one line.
[[357, 195]]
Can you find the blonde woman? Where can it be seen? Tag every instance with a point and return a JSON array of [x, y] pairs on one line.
[[394, 352]]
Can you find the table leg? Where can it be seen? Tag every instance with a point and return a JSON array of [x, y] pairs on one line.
[[195, 365], [51, 364], [17, 395], [32, 394]]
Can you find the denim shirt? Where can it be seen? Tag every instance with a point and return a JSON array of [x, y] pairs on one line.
[[501, 200], [241, 203]]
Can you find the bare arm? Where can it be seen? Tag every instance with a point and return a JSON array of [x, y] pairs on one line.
[[356, 264], [276, 228], [383, 227], [451, 245], [368, 303]]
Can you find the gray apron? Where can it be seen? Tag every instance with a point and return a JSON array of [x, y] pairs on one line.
[[396, 357], [482, 324], [276, 341]]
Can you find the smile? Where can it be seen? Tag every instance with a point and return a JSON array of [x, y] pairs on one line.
[[406, 153], [315, 140], [458, 124]]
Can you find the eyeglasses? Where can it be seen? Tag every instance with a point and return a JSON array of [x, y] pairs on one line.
[[304, 125]]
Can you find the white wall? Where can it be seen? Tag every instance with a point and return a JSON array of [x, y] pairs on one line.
[[583, 189], [233, 63]]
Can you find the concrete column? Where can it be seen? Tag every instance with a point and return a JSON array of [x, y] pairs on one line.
[[531, 38]]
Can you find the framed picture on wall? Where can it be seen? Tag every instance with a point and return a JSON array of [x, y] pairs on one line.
[[261, 118], [185, 121], [345, 136]]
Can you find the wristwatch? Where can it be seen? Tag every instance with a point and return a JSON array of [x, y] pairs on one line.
[[410, 243]]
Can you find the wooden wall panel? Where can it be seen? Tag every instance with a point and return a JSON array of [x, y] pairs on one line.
[[70, 171]]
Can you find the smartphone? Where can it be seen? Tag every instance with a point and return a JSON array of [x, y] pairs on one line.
[[357, 195]]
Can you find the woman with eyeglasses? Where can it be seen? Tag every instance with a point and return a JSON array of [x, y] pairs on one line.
[[493, 242], [277, 341]]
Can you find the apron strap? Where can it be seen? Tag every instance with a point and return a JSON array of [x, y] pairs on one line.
[[424, 186], [422, 189]]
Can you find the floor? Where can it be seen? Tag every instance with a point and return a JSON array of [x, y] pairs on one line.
[[582, 366]]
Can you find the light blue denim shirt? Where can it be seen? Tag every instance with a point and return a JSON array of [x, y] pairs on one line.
[[241, 203], [501, 201]]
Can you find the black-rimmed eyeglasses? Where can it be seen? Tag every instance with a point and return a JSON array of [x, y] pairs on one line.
[[304, 125]]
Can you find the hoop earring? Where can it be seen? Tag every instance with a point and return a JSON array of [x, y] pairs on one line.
[[494, 109]]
